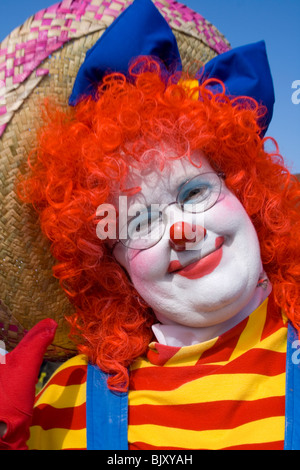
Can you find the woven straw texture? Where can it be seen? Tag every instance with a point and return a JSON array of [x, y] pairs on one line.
[[38, 59]]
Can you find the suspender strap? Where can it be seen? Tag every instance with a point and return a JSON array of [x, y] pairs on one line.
[[106, 413], [292, 395]]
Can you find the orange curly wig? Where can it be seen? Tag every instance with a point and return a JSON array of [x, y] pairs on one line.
[[82, 159]]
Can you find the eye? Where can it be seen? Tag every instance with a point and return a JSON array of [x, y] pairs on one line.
[[195, 194], [139, 224], [144, 224]]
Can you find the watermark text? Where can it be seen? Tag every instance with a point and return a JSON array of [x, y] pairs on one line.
[[296, 94], [296, 354], [140, 222], [158, 460]]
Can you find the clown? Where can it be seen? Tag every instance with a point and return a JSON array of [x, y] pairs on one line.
[[184, 319]]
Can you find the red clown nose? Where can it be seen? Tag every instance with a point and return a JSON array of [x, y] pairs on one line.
[[182, 233]]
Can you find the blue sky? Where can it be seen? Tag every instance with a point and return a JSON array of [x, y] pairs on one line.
[[242, 22]]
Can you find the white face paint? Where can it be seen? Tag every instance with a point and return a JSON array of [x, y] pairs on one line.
[[213, 294]]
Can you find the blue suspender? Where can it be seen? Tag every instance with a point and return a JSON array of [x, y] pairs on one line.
[[106, 414], [292, 393]]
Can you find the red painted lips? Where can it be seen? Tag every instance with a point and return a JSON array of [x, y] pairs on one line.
[[201, 267]]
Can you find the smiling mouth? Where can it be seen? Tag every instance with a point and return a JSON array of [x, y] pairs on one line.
[[201, 267]]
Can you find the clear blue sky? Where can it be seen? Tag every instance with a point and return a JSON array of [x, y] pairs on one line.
[[242, 22]]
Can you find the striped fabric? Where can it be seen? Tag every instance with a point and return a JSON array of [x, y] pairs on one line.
[[59, 419], [226, 393]]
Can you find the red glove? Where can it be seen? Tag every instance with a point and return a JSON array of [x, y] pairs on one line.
[[18, 376]]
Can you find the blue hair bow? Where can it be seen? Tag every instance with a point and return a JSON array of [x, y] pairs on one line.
[[142, 30]]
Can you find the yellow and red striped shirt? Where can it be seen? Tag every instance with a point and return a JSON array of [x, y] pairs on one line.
[[226, 393]]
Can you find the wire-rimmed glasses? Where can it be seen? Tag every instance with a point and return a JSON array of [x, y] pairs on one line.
[[195, 196]]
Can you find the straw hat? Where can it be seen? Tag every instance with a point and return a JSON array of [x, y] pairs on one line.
[[38, 59]]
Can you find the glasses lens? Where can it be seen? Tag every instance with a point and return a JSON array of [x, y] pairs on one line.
[[145, 229], [200, 193]]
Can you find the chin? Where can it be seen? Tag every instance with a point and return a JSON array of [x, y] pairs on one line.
[[201, 315]]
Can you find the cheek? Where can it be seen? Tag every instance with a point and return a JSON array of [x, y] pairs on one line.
[[230, 203], [229, 213], [147, 266]]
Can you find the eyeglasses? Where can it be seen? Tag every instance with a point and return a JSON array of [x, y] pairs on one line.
[[195, 196]]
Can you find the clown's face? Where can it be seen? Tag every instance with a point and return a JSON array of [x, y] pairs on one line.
[[212, 280]]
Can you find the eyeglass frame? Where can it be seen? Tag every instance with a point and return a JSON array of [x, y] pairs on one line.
[[221, 175]]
